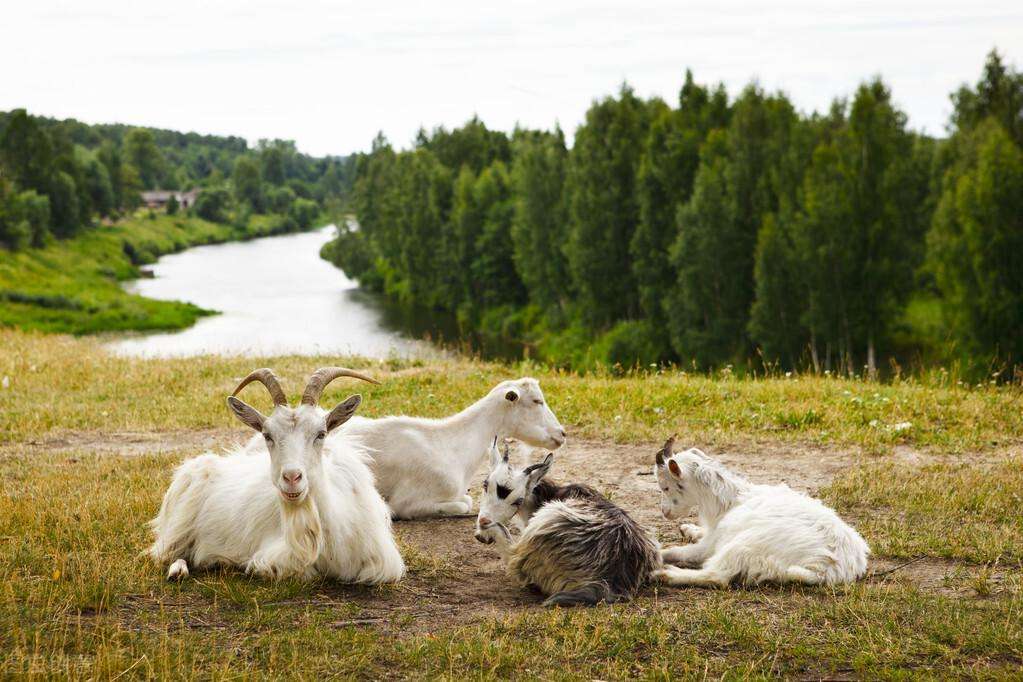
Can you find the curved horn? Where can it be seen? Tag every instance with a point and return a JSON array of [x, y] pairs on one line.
[[323, 376], [266, 377]]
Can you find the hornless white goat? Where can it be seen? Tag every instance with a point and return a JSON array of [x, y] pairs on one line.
[[423, 467], [750, 533], [577, 546], [309, 509]]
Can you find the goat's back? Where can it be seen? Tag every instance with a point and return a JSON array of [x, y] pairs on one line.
[[583, 540], [782, 528]]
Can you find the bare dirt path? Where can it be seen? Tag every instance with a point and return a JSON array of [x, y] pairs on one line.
[[456, 580]]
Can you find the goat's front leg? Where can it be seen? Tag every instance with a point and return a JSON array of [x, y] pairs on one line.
[[688, 555], [686, 577], [496, 534], [692, 532]]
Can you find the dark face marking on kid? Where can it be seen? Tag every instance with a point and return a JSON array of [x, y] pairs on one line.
[[503, 492]]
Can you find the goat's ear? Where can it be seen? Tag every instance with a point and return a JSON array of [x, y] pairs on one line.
[[495, 454], [673, 467], [247, 414], [343, 412], [512, 395], [665, 452], [536, 472]]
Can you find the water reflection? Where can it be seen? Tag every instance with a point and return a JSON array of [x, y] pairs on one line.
[[276, 296]]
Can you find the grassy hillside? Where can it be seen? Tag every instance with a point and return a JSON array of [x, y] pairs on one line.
[[929, 472], [73, 286]]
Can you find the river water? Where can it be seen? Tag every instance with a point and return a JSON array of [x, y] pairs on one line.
[[275, 296]]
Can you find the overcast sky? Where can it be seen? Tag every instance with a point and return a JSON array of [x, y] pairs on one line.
[[329, 75]]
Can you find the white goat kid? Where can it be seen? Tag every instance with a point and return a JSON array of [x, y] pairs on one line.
[[750, 533], [424, 467], [309, 509]]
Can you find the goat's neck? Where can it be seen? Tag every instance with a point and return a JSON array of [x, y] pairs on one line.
[[715, 501], [469, 434], [544, 492]]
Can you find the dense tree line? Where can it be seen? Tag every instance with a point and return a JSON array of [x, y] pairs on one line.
[[59, 177], [714, 231]]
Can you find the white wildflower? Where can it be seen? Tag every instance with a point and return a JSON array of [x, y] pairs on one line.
[[902, 426]]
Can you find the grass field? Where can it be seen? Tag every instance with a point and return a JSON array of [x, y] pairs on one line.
[[73, 286], [928, 469]]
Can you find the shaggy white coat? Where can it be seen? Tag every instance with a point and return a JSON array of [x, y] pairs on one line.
[[223, 510], [751, 533], [424, 467]]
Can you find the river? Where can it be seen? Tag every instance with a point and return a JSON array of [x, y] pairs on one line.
[[275, 296]]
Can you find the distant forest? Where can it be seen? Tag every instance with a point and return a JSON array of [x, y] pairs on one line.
[[59, 177], [716, 232]]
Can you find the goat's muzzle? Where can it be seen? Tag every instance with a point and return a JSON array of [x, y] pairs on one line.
[[482, 524], [292, 497]]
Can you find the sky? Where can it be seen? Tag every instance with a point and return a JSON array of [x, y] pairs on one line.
[[330, 75]]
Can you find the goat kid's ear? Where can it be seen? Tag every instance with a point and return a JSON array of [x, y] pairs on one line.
[[495, 454], [674, 468], [343, 412], [666, 451], [246, 414], [537, 471], [512, 395]]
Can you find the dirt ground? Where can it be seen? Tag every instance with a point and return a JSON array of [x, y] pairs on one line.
[[464, 581]]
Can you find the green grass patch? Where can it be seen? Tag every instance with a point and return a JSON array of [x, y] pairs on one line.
[[59, 383], [963, 511], [73, 285]]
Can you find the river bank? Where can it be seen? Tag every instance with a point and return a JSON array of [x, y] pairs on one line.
[[74, 285]]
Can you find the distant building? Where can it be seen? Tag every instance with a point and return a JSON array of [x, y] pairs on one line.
[[158, 198]]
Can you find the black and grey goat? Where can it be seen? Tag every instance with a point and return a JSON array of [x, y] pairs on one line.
[[576, 546]]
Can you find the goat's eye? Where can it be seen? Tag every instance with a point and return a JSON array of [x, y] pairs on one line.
[[517, 503], [485, 485], [321, 435], [269, 440]]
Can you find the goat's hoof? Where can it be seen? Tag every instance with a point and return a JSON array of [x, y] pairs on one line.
[[178, 570]]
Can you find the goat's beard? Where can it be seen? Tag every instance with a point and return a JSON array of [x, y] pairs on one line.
[[303, 532]]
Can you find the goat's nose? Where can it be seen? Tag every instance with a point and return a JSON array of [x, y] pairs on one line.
[[292, 476], [483, 521], [563, 434]]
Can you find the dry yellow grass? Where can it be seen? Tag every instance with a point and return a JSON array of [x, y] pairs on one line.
[[77, 601]]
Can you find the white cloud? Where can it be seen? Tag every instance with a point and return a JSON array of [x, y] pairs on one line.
[[330, 75]]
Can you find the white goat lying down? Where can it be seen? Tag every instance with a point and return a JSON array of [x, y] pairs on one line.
[[750, 533], [423, 467], [577, 547], [309, 509]]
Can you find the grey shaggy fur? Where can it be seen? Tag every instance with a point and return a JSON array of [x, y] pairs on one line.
[[579, 548]]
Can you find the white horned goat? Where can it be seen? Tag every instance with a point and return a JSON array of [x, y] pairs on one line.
[[424, 467], [577, 547], [309, 509], [750, 533]]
